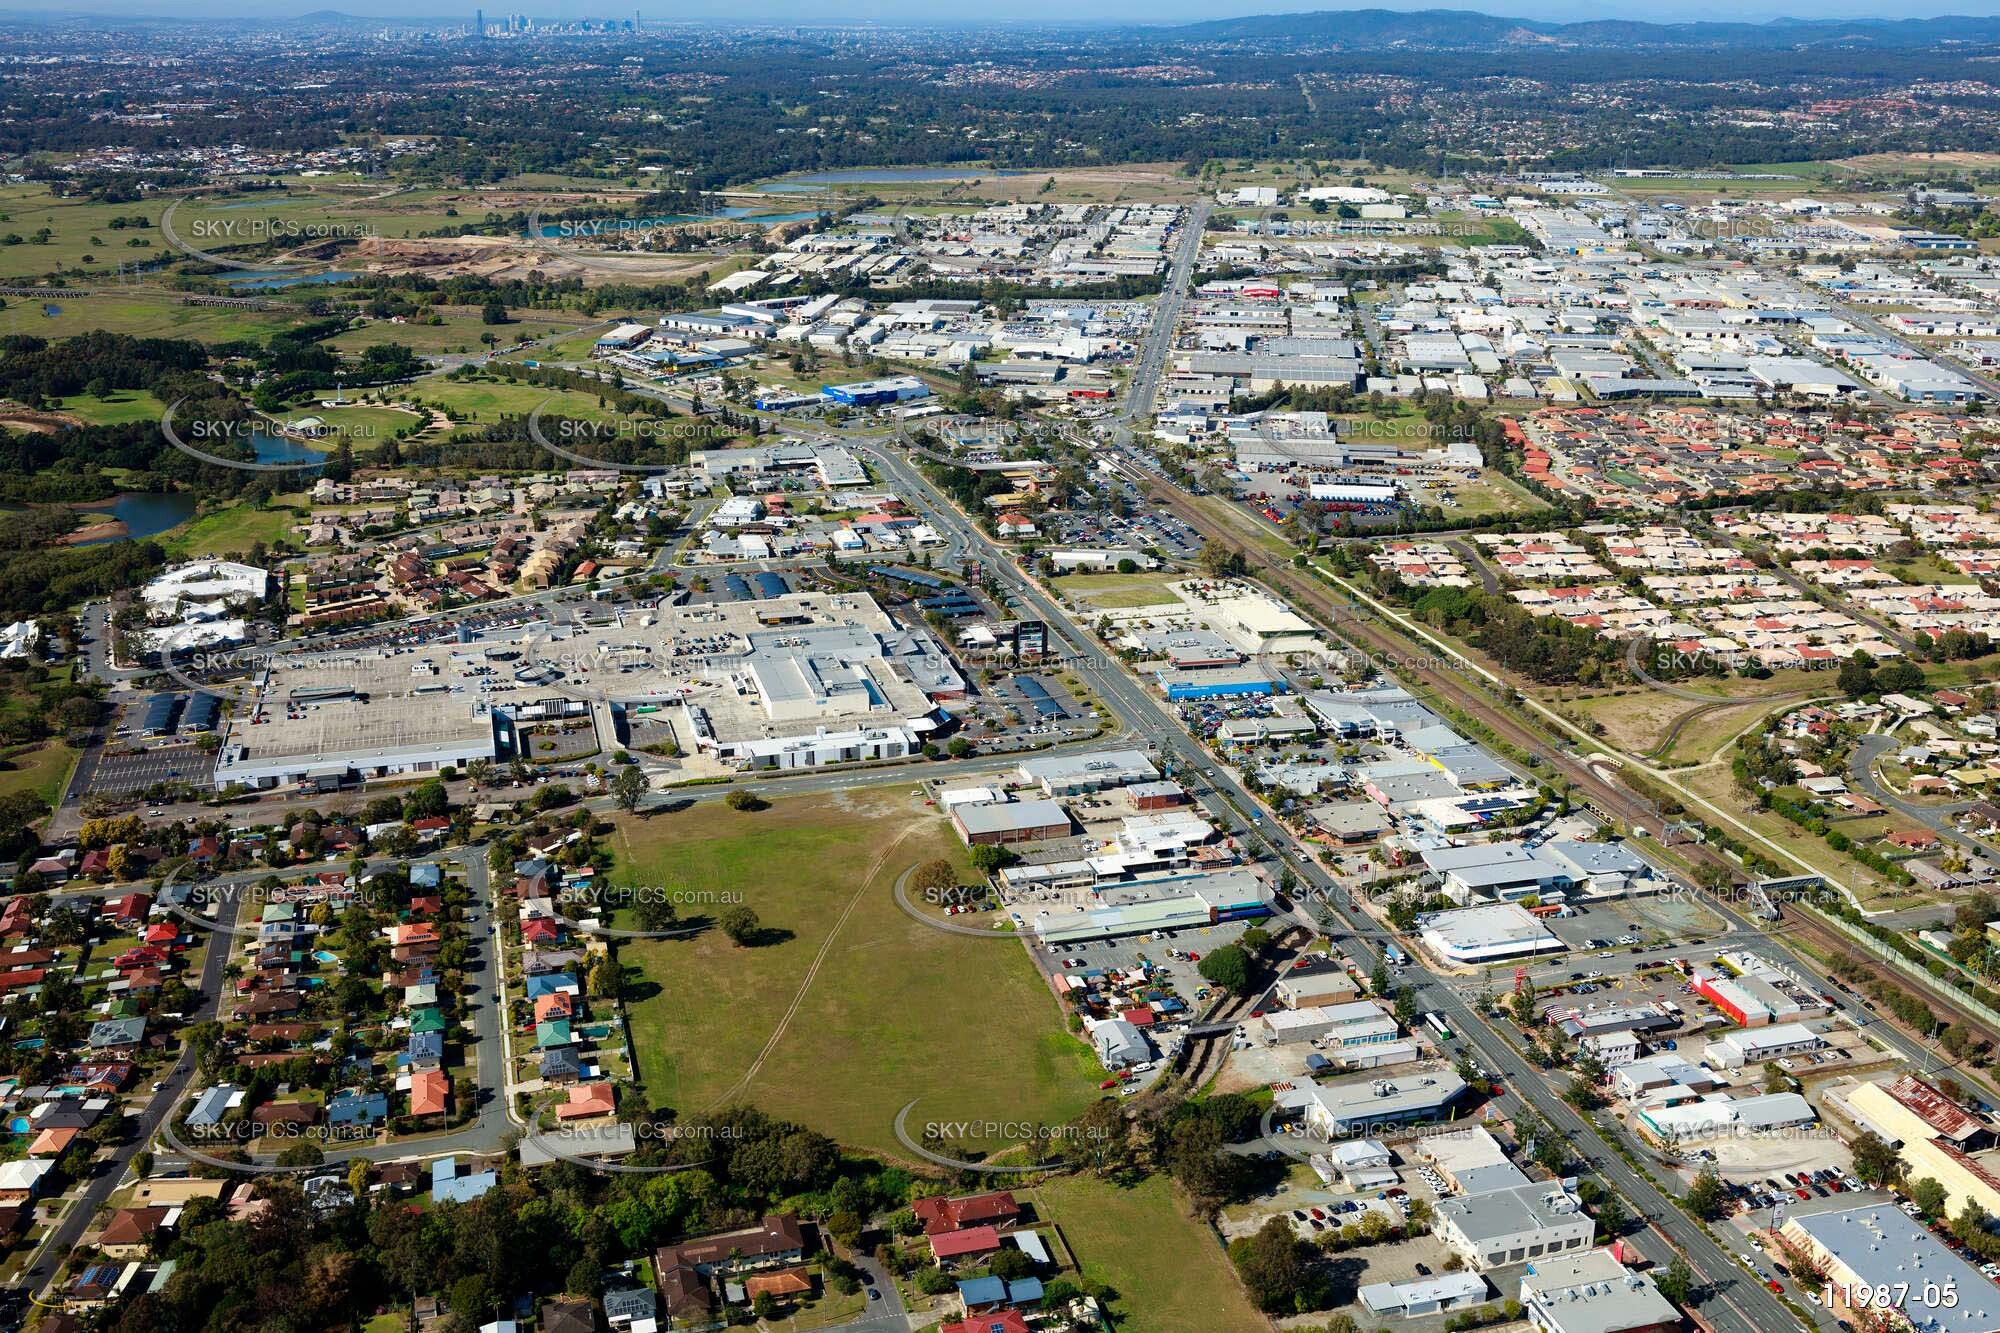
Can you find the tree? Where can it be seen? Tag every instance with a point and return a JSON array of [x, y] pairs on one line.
[[844, 1227], [304, 1153], [1611, 1216], [742, 799], [1929, 1197], [739, 923], [765, 1306], [630, 787], [933, 879], [427, 801], [959, 748], [1875, 1162], [1281, 1272], [654, 911], [494, 312], [1705, 1197], [1677, 1282], [1227, 967], [987, 858], [1857, 676], [1220, 561]]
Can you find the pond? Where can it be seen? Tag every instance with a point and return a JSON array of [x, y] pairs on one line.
[[270, 448], [144, 514]]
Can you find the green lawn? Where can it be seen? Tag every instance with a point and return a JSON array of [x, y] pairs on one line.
[[487, 400], [1169, 1273], [114, 410], [41, 768], [363, 425], [897, 1011]]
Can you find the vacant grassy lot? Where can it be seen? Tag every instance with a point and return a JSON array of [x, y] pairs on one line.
[[1874, 892], [458, 333], [1169, 1272], [1115, 590], [141, 314], [1645, 721], [852, 1009], [232, 531], [1493, 493], [362, 425]]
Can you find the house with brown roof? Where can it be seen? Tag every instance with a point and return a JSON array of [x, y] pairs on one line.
[[940, 1214], [129, 1233], [772, 1243], [683, 1291], [569, 1316], [784, 1285], [291, 1115]]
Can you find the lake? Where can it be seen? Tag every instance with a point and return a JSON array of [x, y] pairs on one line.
[[144, 514], [282, 449]]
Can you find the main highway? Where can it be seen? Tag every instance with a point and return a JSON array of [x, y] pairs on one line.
[[1739, 1304]]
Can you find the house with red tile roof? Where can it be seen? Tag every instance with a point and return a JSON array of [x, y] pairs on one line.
[[430, 1092]]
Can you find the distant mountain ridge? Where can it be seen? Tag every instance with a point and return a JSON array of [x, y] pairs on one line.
[[1459, 29]]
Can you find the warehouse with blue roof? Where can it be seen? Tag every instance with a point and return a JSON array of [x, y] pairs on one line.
[[876, 393]]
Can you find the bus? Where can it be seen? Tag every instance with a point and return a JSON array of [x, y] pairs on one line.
[[1436, 1025]]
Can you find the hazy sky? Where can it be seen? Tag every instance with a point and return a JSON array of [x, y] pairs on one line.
[[1112, 11]]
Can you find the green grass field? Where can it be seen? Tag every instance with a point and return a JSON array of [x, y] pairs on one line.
[[895, 1010], [363, 425], [488, 400], [114, 410], [231, 531], [141, 314], [1119, 590], [458, 333], [41, 769], [1169, 1272]]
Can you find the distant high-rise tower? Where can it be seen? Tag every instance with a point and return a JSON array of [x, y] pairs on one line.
[[478, 23]]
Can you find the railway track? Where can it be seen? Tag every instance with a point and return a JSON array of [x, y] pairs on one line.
[[1362, 630]]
